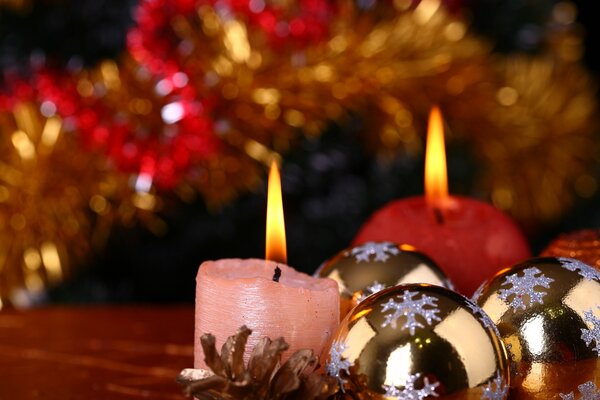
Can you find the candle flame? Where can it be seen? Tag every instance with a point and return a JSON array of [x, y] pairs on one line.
[[276, 246], [436, 179]]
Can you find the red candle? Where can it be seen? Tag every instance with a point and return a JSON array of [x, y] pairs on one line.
[[469, 239]]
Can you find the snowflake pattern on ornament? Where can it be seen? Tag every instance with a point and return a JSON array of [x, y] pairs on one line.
[[337, 362], [581, 268], [587, 391], [410, 308], [496, 389], [591, 335], [381, 251], [370, 290], [478, 293], [409, 392], [524, 286], [483, 317]]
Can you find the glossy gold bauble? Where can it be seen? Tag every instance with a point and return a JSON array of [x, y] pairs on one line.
[[417, 341], [373, 266], [548, 313], [583, 245]]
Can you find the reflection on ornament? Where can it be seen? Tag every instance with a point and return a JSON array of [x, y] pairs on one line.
[[583, 245], [546, 310], [483, 317], [364, 270], [416, 341]]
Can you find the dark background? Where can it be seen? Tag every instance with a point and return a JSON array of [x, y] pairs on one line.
[[331, 184]]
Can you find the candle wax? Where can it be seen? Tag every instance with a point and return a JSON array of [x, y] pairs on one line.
[[470, 240], [234, 292]]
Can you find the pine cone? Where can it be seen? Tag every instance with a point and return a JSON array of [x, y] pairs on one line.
[[261, 378]]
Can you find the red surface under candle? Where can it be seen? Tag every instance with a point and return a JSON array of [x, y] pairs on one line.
[[233, 292], [470, 240]]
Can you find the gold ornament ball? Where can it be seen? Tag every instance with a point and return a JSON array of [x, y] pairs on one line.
[[417, 341], [373, 266], [548, 313]]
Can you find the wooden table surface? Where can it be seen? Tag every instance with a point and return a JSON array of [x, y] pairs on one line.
[[94, 353]]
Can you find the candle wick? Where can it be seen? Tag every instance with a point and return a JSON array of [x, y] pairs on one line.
[[439, 216], [277, 274]]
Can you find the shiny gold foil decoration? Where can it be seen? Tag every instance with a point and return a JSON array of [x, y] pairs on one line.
[[57, 202], [532, 120], [126, 92], [583, 245], [548, 313], [539, 115], [364, 270], [44, 223], [381, 68], [416, 342]]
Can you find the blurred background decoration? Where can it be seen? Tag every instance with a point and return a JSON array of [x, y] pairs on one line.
[[134, 136]]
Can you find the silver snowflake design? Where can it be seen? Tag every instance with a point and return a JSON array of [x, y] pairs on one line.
[[581, 268], [524, 286], [410, 308], [381, 251], [591, 335], [483, 317], [337, 362], [409, 392], [370, 290], [587, 391], [496, 389], [478, 293]]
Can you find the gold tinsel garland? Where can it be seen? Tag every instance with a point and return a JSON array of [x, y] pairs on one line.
[[124, 93], [391, 67], [44, 226], [540, 143], [57, 202], [530, 119]]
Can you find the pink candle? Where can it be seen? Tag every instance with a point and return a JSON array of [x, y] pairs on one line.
[[233, 292], [268, 297], [469, 239]]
